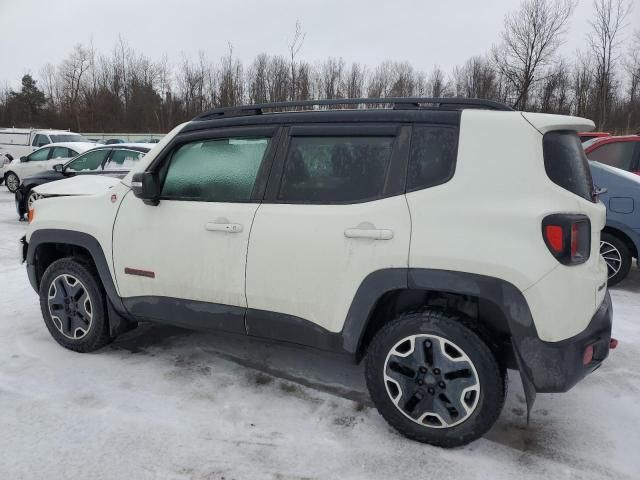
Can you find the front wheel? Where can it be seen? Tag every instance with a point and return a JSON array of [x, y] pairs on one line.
[[617, 256], [435, 380], [12, 181], [33, 196], [73, 306]]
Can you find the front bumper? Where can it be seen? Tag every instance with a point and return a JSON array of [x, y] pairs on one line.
[[558, 366]]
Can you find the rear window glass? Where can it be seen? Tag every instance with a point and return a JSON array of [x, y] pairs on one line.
[[618, 154], [433, 156], [566, 164]]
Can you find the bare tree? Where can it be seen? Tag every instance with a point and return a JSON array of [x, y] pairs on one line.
[[355, 79], [604, 39], [437, 85], [582, 85], [476, 79], [294, 48], [530, 39], [72, 71]]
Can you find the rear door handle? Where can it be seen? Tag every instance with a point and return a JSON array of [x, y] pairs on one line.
[[373, 233], [223, 227]]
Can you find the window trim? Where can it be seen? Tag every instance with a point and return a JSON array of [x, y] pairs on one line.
[[395, 176], [160, 165], [456, 129]]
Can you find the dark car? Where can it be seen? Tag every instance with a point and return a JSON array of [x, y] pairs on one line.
[[114, 160]]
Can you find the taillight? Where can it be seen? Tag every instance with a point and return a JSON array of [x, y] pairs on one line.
[[568, 237]]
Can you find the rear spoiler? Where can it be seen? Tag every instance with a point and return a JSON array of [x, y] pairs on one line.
[[546, 122]]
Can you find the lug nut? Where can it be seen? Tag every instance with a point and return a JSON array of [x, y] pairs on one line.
[[423, 370], [420, 382], [441, 384], [427, 343], [436, 371], [431, 391]]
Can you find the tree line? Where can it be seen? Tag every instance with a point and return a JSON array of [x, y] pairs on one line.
[[125, 90]]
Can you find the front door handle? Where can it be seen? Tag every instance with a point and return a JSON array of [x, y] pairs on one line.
[[372, 233], [223, 227]]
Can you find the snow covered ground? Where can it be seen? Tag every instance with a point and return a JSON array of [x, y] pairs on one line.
[[165, 403]]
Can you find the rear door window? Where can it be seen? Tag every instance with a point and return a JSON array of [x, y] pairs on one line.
[[122, 159], [617, 154], [61, 152], [89, 161], [566, 164], [335, 169]]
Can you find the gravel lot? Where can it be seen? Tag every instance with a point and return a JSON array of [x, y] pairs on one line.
[[165, 403]]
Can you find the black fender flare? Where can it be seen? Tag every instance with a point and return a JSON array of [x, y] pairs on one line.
[[77, 239], [504, 295]]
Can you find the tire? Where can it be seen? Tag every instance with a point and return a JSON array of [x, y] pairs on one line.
[[32, 197], [617, 255], [448, 343], [12, 181], [73, 323]]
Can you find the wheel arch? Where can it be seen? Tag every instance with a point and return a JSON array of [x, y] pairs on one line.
[[47, 245], [623, 236], [493, 306]]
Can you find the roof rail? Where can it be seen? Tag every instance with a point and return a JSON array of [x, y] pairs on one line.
[[399, 103]]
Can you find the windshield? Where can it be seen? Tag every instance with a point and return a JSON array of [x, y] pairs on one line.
[[68, 138]]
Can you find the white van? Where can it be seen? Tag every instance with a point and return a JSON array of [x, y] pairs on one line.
[[19, 142]]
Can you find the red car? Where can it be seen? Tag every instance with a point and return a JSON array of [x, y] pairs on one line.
[[619, 152], [586, 136]]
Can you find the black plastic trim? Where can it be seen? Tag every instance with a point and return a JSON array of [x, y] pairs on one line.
[[291, 329], [187, 313], [79, 239]]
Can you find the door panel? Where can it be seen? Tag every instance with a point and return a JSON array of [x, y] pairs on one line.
[[188, 260], [305, 261], [191, 247], [325, 226]]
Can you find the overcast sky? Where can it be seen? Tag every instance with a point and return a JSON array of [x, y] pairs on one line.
[[425, 33]]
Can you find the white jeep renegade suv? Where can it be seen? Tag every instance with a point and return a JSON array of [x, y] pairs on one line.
[[445, 240]]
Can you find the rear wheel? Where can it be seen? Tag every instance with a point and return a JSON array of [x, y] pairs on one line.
[[434, 380], [12, 181], [73, 306], [617, 256]]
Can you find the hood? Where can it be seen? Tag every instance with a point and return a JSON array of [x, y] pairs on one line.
[[78, 185]]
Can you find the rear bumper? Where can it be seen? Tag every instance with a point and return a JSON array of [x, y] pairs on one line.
[[558, 366]]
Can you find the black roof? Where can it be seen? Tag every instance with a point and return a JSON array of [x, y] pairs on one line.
[[410, 110], [397, 103]]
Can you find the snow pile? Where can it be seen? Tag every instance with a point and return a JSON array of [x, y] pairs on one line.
[[164, 403]]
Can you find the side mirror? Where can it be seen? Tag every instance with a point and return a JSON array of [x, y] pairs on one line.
[[23, 159], [58, 167], [145, 187]]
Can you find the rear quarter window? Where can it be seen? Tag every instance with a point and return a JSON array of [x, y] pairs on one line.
[[432, 160], [566, 164]]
